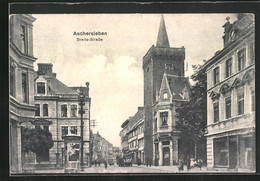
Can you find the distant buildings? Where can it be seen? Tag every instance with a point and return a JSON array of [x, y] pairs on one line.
[[231, 98], [58, 111], [103, 149], [21, 81]]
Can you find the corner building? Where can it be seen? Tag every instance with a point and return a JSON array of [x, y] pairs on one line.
[[158, 60], [58, 111], [21, 82], [231, 98]]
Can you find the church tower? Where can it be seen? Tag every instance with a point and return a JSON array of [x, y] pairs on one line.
[[158, 60]]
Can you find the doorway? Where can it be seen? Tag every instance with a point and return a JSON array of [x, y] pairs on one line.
[[166, 156], [232, 153]]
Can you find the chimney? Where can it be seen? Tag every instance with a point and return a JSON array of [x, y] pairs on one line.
[[44, 68]]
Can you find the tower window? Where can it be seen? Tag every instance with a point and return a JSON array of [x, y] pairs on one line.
[[164, 118], [40, 88], [165, 95]]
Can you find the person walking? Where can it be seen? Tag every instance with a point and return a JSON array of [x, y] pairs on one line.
[[147, 161], [105, 164], [180, 166], [188, 162]]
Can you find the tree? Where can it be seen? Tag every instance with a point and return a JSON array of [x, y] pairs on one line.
[[36, 140], [193, 117]]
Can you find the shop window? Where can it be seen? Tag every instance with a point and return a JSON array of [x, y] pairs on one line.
[[228, 67], [240, 101], [45, 110], [216, 75], [228, 107], [220, 152], [164, 118], [63, 110], [37, 112], [73, 130], [216, 111], [241, 59], [24, 87], [64, 131], [73, 110], [40, 88]]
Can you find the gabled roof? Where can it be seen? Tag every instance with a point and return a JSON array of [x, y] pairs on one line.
[[177, 85]]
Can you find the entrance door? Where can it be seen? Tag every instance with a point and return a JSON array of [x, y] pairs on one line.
[[166, 156], [232, 154]]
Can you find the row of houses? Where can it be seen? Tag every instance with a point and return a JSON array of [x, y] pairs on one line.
[[39, 99], [230, 124]]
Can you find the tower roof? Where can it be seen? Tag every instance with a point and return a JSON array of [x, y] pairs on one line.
[[162, 39]]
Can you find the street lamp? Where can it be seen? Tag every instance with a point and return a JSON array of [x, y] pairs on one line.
[[81, 97]]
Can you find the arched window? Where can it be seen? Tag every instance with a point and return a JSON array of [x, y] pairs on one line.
[[45, 109]]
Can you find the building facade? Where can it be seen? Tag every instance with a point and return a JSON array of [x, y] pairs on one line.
[[230, 128], [58, 111], [158, 60], [174, 91], [21, 83]]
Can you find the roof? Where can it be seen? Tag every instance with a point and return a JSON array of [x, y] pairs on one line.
[[59, 88], [162, 39], [137, 117], [177, 84]]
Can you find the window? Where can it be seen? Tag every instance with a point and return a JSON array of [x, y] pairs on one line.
[[12, 80], [164, 117], [228, 107], [73, 110], [216, 111], [251, 53], [37, 112], [24, 87], [241, 59], [40, 88], [73, 130], [165, 95], [252, 100], [155, 125], [166, 143], [63, 110], [240, 101], [216, 75], [64, 131], [46, 128], [228, 67], [168, 66], [23, 39], [45, 109]]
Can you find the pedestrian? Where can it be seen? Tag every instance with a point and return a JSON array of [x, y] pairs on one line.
[[147, 161], [105, 164], [95, 163], [180, 166], [188, 162], [98, 163], [150, 161]]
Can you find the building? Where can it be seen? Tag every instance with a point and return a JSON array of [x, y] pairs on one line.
[[132, 137], [230, 72], [103, 149], [174, 91], [21, 82], [159, 59], [58, 111]]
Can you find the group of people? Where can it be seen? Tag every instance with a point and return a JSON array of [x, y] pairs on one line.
[[191, 162], [97, 163]]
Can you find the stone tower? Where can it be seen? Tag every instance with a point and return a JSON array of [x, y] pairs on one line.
[[158, 60]]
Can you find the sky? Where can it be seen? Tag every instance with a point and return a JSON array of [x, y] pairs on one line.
[[113, 67]]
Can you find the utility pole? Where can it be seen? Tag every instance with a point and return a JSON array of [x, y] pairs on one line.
[[81, 112]]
